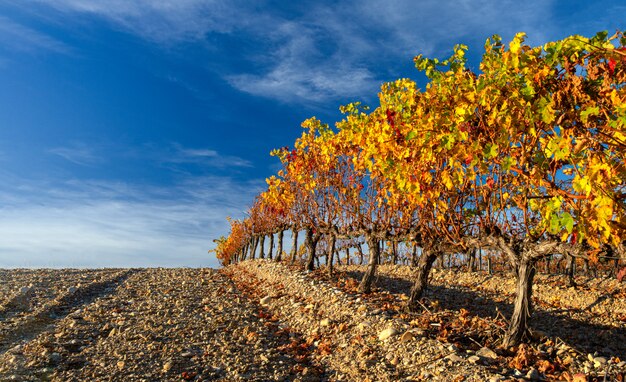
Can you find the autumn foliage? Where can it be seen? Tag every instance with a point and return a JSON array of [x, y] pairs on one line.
[[524, 157]]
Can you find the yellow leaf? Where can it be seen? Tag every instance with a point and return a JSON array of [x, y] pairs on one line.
[[581, 185], [447, 181]]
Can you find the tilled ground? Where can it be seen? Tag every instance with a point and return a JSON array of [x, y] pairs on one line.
[[263, 321], [150, 325]]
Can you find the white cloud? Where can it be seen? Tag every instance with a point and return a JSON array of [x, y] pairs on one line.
[[296, 82], [328, 51], [159, 21], [433, 25], [204, 157], [202, 153], [100, 224], [332, 52], [89, 154], [78, 153], [18, 37]]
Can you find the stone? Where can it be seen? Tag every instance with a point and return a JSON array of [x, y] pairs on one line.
[[487, 353], [71, 289], [454, 358], [167, 366], [406, 337], [55, 358], [533, 374], [363, 325], [599, 360], [16, 349], [389, 332], [26, 290], [473, 359], [265, 300]]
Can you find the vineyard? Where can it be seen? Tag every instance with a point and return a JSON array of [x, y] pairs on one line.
[[516, 168]]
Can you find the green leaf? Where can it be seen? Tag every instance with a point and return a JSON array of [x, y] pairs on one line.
[[411, 135], [546, 110], [567, 221], [507, 163], [528, 91], [599, 37], [490, 151], [555, 225], [592, 110], [448, 141]]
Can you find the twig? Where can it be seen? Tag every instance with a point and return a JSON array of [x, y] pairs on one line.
[[474, 341], [571, 347], [498, 313], [424, 306]]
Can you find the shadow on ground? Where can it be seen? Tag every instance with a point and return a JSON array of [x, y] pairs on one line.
[[581, 335]]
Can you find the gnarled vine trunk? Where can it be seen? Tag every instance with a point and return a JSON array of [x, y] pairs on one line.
[[424, 265], [518, 328], [279, 250], [253, 247], [262, 244], [368, 278], [294, 248], [359, 249], [331, 253], [270, 253], [311, 243], [471, 257]]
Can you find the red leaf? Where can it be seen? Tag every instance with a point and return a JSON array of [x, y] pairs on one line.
[[611, 65]]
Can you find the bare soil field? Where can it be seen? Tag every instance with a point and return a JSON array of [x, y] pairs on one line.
[[264, 321]]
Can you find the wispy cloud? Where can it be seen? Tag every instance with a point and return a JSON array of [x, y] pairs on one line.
[[78, 153], [15, 36], [96, 224], [203, 156], [300, 71], [320, 51], [91, 154], [325, 51], [160, 21], [333, 52]]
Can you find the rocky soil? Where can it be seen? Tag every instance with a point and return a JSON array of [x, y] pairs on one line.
[[263, 321]]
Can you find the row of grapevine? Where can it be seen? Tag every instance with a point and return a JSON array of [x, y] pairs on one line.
[[524, 157]]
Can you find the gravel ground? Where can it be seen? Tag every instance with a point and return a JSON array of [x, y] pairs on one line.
[[263, 321]]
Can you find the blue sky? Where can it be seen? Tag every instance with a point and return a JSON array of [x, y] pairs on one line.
[[130, 129]]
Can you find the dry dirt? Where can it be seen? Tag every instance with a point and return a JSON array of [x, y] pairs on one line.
[[263, 321]]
